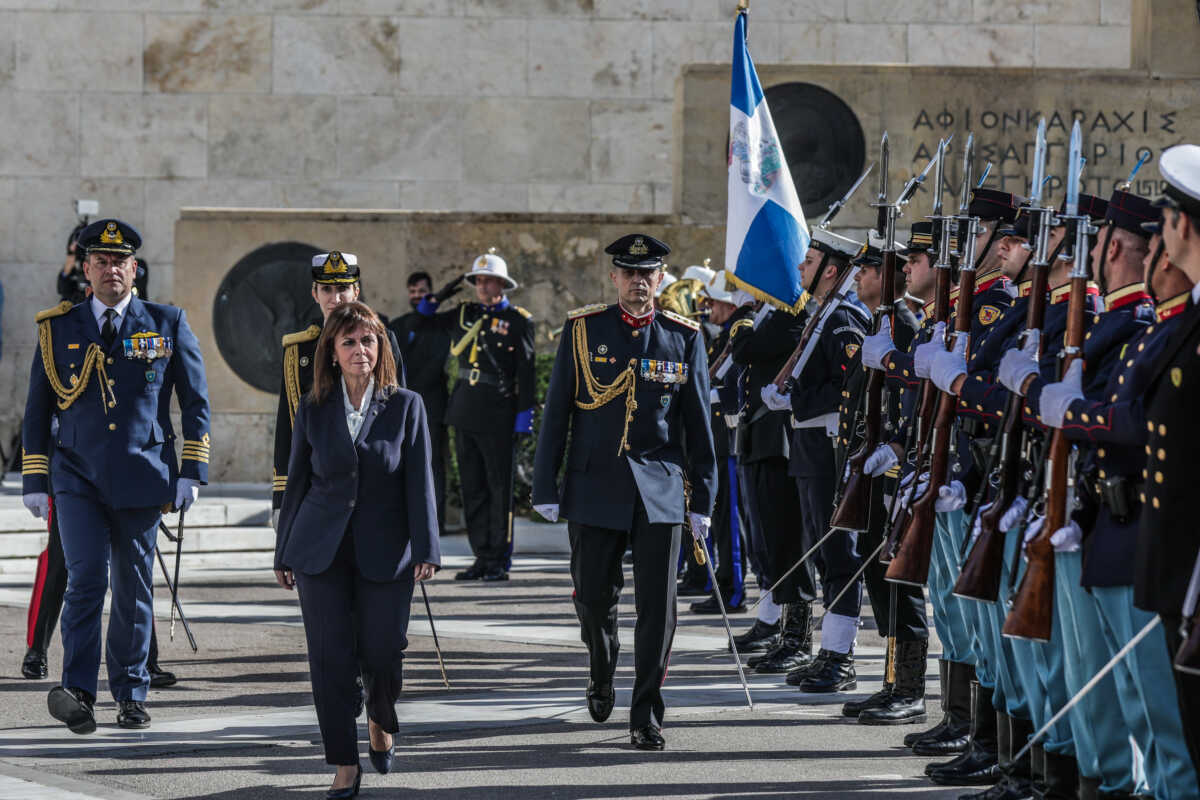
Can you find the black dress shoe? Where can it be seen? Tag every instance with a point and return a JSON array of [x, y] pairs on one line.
[[600, 700], [1008, 788], [855, 707], [34, 665], [709, 606], [159, 678], [950, 739], [471, 573], [976, 767], [647, 737], [382, 759], [73, 707], [901, 708], [495, 574], [835, 675], [132, 714], [346, 791], [761, 636]]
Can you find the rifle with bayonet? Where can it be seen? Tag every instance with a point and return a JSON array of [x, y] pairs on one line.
[[812, 330], [981, 572], [1032, 612], [837, 205], [910, 565]]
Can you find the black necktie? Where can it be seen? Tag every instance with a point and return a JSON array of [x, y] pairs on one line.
[[109, 331]]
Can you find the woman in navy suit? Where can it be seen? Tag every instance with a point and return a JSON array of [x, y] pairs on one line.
[[357, 528]]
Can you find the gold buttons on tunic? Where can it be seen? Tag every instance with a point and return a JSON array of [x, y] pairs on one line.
[[112, 426], [1158, 477], [1100, 452], [1162, 430], [1162, 454]]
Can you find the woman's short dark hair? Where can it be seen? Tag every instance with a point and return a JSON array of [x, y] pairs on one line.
[[344, 319]]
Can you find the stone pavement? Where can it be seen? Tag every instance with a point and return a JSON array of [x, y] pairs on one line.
[[240, 723]]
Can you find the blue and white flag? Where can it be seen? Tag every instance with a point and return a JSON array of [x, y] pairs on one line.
[[766, 236]]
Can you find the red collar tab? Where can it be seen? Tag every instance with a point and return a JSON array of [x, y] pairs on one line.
[[635, 322], [1169, 308], [927, 309], [990, 280], [1063, 293], [1133, 293], [1025, 288]]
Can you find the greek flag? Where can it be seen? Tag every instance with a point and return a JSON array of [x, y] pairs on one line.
[[766, 236]]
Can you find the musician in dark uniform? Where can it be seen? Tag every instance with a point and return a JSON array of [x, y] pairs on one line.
[[336, 280], [630, 388], [491, 404], [425, 350], [1167, 541], [97, 430], [1100, 404]]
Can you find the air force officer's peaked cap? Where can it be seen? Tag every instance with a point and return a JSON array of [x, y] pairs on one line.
[[335, 268], [109, 236], [638, 251], [1180, 168]]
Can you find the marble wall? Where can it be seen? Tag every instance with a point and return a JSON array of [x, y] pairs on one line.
[[473, 105]]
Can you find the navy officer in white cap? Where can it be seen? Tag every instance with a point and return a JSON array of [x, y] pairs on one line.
[[491, 404]]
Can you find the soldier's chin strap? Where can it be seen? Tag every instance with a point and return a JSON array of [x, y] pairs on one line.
[[1158, 251], [1049, 259], [812, 287], [1100, 279], [988, 246]]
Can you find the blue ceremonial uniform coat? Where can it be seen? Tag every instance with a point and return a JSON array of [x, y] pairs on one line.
[[668, 435], [97, 429]]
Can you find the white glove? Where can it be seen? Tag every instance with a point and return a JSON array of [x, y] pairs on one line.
[[950, 498], [714, 397], [699, 525], [924, 353], [922, 485], [549, 511], [876, 346], [948, 365], [774, 400], [880, 461], [1014, 513], [1057, 397], [186, 492], [1035, 527], [38, 504], [1017, 365], [1067, 538], [977, 528], [275, 519]]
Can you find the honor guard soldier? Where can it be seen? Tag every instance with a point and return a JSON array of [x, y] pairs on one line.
[[491, 404], [336, 280], [1167, 542], [630, 389], [98, 433]]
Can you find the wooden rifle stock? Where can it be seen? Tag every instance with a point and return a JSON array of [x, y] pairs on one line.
[[833, 298], [1032, 615], [854, 511], [911, 562]]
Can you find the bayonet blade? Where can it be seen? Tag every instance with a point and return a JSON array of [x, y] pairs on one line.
[[1074, 166], [837, 206], [968, 167], [938, 176], [883, 168], [1039, 166]]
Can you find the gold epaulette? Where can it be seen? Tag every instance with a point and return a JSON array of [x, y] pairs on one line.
[[56, 311], [299, 337], [671, 315], [523, 312], [587, 311]]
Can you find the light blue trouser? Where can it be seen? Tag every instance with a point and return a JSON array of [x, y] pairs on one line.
[[1145, 682], [1101, 736], [948, 618], [1039, 667], [997, 650]]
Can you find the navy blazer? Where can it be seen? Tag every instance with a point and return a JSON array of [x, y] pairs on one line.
[[377, 488]]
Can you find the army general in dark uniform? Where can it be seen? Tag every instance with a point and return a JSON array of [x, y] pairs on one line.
[[630, 386]]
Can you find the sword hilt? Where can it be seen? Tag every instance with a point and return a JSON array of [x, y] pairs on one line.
[[699, 552]]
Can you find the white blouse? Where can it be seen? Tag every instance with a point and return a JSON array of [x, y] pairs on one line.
[[355, 416]]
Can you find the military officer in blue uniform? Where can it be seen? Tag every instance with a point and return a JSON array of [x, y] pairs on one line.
[[336, 279], [630, 387], [97, 420]]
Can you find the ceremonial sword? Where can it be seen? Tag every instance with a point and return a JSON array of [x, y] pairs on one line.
[[174, 586], [702, 556], [436, 645]]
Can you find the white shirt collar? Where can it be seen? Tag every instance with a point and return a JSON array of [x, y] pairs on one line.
[[99, 308], [355, 416], [1196, 294]]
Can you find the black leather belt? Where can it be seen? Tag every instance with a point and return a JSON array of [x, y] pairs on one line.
[[474, 376]]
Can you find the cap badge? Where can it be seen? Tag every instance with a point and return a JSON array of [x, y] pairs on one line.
[[482, 263], [638, 248], [335, 263], [111, 234]]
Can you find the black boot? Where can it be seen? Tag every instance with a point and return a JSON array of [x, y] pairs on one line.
[[795, 642], [956, 705], [836, 675], [797, 676], [944, 690], [855, 708], [761, 636], [978, 764], [907, 703], [34, 666], [1037, 771]]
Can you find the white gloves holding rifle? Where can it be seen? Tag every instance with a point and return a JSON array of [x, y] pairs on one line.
[[775, 400], [1018, 365], [876, 346], [1057, 397], [949, 365], [880, 461], [924, 354]]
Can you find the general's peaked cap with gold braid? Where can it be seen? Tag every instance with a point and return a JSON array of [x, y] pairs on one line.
[[335, 267], [110, 236]]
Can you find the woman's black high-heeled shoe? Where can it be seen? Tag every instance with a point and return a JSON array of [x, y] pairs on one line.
[[382, 759], [346, 791]]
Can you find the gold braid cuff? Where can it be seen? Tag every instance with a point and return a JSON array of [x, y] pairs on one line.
[[93, 362], [602, 394]]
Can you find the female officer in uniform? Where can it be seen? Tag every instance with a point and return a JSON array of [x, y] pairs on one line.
[[358, 525]]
